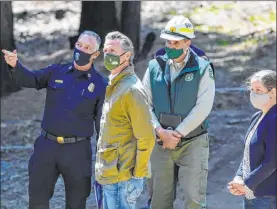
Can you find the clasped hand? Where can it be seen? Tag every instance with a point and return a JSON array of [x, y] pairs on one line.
[[170, 138], [236, 188]]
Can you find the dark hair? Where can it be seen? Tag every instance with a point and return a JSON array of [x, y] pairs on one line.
[[267, 78]]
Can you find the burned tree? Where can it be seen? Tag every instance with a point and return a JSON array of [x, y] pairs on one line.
[[7, 42], [97, 16], [101, 17], [130, 21]]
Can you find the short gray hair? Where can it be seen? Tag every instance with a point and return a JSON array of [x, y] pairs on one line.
[[125, 43], [267, 78], [94, 35]]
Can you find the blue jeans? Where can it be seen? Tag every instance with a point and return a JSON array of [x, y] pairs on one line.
[[260, 203], [122, 195]]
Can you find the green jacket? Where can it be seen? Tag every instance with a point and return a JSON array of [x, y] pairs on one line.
[[126, 136]]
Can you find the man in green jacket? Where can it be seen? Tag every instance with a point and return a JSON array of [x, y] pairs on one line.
[[126, 136], [181, 88]]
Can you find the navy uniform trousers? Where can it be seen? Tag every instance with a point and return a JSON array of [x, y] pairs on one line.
[[49, 160]]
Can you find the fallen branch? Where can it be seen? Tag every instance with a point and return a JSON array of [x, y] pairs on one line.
[[230, 90], [237, 121]]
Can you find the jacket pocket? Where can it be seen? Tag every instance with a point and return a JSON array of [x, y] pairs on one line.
[[55, 89], [205, 140], [88, 95], [203, 180], [109, 162]]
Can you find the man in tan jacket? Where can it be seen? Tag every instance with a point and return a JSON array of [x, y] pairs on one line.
[[126, 135]]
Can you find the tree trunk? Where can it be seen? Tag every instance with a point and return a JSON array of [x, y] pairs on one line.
[[130, 21], [7, 42], [98, 16]]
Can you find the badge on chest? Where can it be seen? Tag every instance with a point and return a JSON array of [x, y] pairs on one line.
[[189, 77], [91, 87]]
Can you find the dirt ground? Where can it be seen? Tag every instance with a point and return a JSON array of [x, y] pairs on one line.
[[234, 57]]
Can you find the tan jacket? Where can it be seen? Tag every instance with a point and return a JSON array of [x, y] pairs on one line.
[[127, 135]]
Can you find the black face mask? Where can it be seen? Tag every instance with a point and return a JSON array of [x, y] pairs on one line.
[[81, 58]]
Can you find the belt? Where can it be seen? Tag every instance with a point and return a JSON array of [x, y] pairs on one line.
[[61, 139]]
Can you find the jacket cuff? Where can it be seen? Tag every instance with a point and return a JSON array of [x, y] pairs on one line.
[[155, 123], [137, 177], [140, 174], [12, 69], [238, 179], [180, 131], [140, 171], [248, 184], [239, 173], [247, 188]]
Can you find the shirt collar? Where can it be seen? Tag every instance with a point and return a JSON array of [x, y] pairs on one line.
[[80, 73], [111, 76], [127, 71], [69, 69]]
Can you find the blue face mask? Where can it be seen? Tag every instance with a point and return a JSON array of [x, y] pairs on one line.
[[81, 58]]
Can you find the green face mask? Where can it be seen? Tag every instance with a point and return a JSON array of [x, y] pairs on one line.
[[112, 61], [173, 53]]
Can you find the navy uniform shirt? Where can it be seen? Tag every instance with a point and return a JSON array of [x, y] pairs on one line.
[[74, 98]]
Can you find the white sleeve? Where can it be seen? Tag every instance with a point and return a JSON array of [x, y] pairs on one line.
[[204, 104], [147, 87]]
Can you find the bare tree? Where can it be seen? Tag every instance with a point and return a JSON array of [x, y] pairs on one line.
[[130, 21], [98, 16], [103, 17], [106, 16], [7, 42]]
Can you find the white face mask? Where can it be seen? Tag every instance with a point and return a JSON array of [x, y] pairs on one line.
[[259, 100]]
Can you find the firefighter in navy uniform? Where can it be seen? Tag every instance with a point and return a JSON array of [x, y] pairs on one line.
[[75, 95]]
